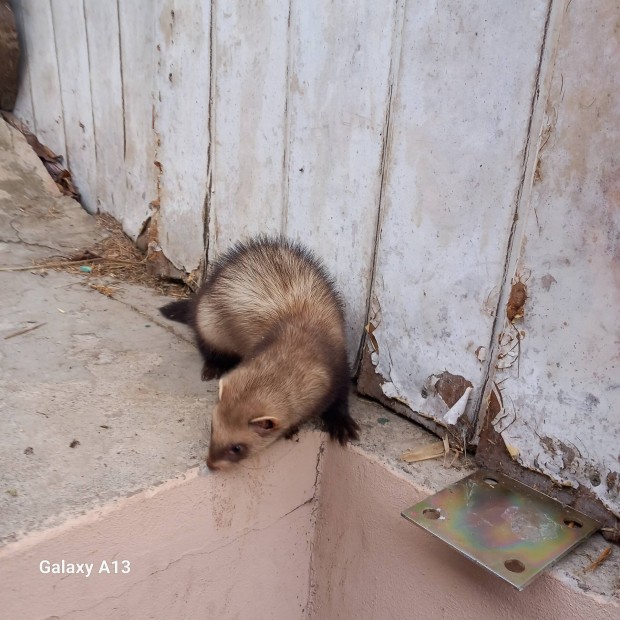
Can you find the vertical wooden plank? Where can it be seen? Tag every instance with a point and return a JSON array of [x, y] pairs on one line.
[[23, 106], [106, 87], [182, 128], [461, 113], [39, 38], [72, 54], [338, 101], [561, 379], [250, 51], [138, 65]]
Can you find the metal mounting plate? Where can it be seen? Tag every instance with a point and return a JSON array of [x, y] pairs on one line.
[[505, 526]]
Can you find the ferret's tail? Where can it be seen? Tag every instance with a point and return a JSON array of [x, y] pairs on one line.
[[180, 311]]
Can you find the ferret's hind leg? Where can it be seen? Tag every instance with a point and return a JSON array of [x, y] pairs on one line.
[[338, 421], [216, 363]]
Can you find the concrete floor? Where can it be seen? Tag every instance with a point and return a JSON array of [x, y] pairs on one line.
[[108, 373]]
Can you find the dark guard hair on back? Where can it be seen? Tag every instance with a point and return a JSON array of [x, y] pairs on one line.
[[268, 319]]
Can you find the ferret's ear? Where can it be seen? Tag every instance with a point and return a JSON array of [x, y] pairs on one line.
[[265, 425], [222, 385]]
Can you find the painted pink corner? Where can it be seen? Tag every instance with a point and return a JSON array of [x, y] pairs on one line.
[[309, 531], [225, 545]]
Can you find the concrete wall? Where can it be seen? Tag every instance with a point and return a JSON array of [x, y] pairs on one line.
[[227, 546]]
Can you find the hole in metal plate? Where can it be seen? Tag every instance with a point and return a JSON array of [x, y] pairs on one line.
[[508, 528], [514, 566], [431, 513]]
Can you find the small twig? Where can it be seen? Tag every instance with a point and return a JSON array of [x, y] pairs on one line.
[[601, 558], [611, 534], [72, 262], [52, 265], [114, 264], [24, 331]]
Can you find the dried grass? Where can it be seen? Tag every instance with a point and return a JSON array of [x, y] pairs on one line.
[[114, 258]]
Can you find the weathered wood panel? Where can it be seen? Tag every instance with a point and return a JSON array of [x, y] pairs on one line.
[[39, 40], [250, 55], [181, 126], [561, 377], [138, 60], [23, 104], [72, 57], [106, 87], [460, 121], [9, 57], [339, 91]]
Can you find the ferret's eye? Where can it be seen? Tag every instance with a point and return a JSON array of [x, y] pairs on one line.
[[237, 449]]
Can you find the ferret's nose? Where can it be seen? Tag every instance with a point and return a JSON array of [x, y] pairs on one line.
[[211, 465]]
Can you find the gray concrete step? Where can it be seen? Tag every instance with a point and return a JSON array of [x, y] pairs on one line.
[[105, 375]]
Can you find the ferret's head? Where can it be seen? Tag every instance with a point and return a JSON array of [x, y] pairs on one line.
[[242, 424]]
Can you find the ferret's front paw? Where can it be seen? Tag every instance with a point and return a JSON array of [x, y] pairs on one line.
[[292, 433], [209, 372]]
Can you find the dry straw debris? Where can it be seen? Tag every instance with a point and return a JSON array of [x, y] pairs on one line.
[[110, 262]]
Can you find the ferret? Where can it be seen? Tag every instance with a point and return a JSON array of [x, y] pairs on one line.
[[269, 323]]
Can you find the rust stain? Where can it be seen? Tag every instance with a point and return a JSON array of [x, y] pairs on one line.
[[451, 387], [538, 172], [495, 404], [515, 308], [555, 446], [370, 328], [156, 262], [148, 232], [369, 383]]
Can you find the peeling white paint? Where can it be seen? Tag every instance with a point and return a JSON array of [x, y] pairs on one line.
[[458, 409], [341, 60], [250, 56], [389, 389]]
